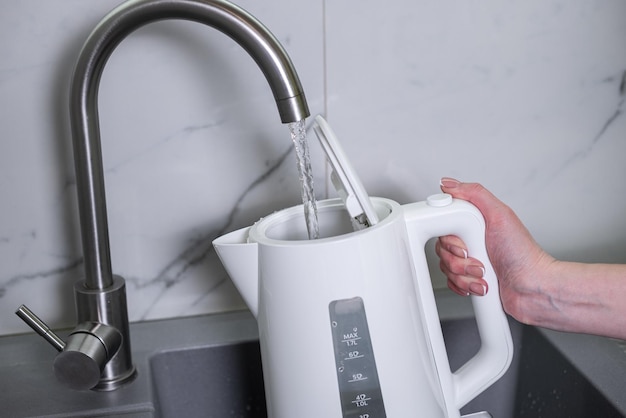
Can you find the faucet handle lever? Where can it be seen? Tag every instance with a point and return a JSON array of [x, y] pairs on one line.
[[40, 327], [81, 360]]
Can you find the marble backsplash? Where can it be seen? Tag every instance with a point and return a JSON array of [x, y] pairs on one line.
[[526, 97]]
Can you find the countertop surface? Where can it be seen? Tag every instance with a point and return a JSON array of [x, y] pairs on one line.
[[28, 386]]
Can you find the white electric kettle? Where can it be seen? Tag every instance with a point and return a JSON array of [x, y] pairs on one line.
[[348, 324]]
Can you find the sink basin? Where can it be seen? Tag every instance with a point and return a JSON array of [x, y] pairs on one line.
[[221, 381], [210, 366], [227, 380], [541, 381]]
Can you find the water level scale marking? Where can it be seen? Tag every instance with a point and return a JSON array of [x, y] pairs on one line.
[[359, 386]]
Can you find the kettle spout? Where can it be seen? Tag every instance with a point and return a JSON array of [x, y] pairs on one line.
[[241, 261]]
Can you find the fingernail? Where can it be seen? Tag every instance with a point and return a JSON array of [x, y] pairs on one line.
[[449, 183], [475, 271], [478, 289], [458, 251]]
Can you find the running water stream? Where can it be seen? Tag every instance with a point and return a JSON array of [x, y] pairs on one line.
[[298, 136]]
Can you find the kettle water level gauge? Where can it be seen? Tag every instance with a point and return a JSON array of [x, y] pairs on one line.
[[359, 387]]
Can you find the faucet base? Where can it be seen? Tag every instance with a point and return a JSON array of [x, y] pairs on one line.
[[109, 385], [108, 307]]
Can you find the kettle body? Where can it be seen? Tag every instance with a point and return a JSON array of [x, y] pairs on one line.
[[348, 324]]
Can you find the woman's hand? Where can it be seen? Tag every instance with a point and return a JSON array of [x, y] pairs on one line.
[[534, 288], [518, 261]]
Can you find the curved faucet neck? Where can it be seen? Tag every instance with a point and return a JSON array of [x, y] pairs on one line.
[[229, 19]]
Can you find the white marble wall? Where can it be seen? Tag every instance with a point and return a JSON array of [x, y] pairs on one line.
[[526, 97]]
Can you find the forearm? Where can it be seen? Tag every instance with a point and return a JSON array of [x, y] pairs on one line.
[[577, 297]]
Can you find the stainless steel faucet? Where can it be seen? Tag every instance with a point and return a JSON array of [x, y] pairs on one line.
[[97, 354]]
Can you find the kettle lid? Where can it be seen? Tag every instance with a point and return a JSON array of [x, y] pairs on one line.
[[344, 178]]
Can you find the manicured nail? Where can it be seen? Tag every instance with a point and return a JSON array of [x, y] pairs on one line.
[[478, 289], [449, 183], [458, 251], [475, 271]]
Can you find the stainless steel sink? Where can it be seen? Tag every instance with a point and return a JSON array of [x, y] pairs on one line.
[[209, 366]]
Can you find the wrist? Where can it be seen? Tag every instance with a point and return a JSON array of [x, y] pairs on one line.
[[567, 297], [531, 296]]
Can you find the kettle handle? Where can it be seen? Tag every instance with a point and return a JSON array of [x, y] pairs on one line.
[[438, 216]]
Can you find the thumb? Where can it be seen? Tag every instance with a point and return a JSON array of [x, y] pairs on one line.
[[474, 193]]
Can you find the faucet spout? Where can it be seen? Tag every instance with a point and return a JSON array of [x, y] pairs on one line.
[[229, 19]]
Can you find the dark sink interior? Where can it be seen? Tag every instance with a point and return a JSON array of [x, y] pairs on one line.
[[226, 380], [541, 382], [221, 381], [549, 386]]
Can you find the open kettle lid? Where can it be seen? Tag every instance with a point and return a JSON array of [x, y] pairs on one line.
[[344, 178]]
